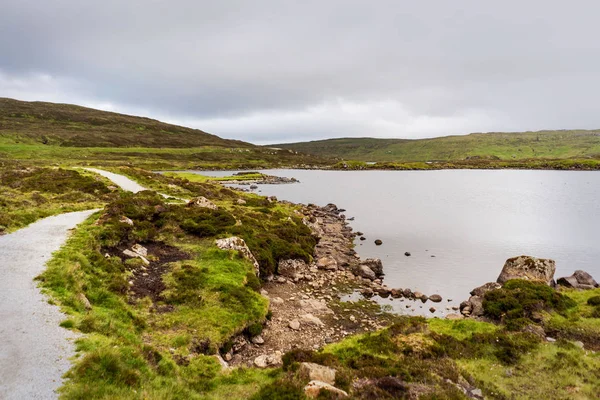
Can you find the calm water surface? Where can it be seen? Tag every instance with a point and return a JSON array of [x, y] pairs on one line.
[[470, 220]]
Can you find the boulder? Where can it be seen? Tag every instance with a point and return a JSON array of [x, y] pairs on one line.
[[378, 242], [396, 293], [407, 293], [454, 316], [418, 295], [291, 268], [476, 304], [238, 244], [436, 298], [258, 340], [375, 265], [365, 272], [241, 202], [270, 360], [141, 250], [316, 372], [314, 388], [483, 289], [327, 263], [407, 253], [314, 306], [202, 202], [579, 280], [126, 220], [528, 268], [432, 309]]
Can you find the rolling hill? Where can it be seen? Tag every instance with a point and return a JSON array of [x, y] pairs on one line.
[[75, 126], [560, 144]]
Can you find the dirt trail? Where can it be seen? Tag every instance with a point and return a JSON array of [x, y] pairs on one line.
[[34, 349]]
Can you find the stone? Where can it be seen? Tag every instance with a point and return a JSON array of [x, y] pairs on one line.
[[407, 254], [314, 306], [133, 254], [363, 238], [238, 244], [314, 388], [365, 272], [291, 268], [316, 372], [241, 202], [239, 343], [483, 289], [139, 249], [126, 220], [383, 292], [476, 304], [84, 300], [436, 298], [432, 309], [579, 344], [528, 268], [407, 293], [277, 300], [294, 324], [579, 280], [327, 263], [375, 265], [271, 360], [418, 295], [311, 320], [396, 293], [257, 340], [221, 362], [202, 202], [454, 316], [378, 242]]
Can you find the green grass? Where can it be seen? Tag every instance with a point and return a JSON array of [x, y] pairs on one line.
[[30, 193], [192, 177]]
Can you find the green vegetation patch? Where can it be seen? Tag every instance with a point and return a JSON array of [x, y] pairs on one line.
[[29, 193]]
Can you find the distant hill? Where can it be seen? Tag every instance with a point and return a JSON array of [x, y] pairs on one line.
[[75, 126], [504, 146]]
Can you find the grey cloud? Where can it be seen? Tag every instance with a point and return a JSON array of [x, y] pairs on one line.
[[267, 70]]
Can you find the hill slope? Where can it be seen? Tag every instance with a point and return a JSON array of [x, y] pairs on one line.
[[75, 126], [505, 146]]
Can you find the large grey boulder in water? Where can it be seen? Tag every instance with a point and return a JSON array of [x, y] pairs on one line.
[[579, 280], [528, 268]]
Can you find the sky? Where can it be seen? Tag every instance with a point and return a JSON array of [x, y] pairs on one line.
[[286, 71]]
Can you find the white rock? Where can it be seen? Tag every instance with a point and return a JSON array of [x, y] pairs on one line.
[[311, 319], [313, 389], [316, 372], [238, 244], [294, 324]]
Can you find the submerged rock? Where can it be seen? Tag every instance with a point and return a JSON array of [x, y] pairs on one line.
[[436, 298], [528, 268], [378, 242]]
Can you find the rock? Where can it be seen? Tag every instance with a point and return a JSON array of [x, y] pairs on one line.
[[375, 265], [367, 292], [551, 340], [528, 268], [536, 330], [378, 242], [407, 254], [579, 344], [579, 280], [139, 249], [383, 292], [291, 268], [84, 300], [202, 202], [483, 289], [363, 238], [407, 293], [239, 343], [418, 295], [228, 356], [257, 340], [222, 362], [314, 306], [253, 187], [454, 316], [126, 220], [365, 272], [314, 388], [238, 244], [396, 293], [294, 324], [436, 298], [327, 263], [241, 202], [316, 372], [476, 304], [277, 300], [476, 393], [270, 360], [432, 309], [133, 254], [311, 320]]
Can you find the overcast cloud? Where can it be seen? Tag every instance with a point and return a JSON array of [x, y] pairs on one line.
[[283, 71]]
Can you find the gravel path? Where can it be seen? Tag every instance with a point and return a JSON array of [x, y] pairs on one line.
[[122, 181], [34, 349]]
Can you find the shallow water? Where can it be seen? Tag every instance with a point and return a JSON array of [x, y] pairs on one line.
[[470, 220]]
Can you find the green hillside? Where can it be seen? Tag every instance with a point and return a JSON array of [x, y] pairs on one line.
[[504, 146], [75, 126]]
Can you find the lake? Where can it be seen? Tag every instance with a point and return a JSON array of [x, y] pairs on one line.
[[471, 221]]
